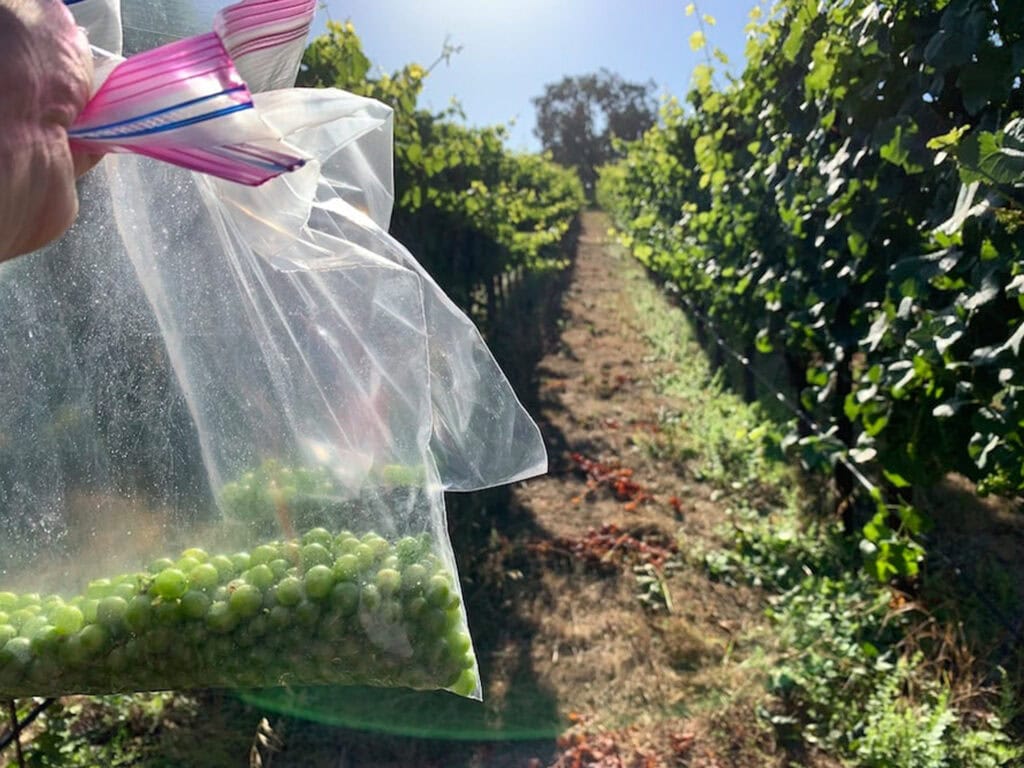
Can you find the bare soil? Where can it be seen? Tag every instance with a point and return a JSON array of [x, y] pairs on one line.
[[657, 679]]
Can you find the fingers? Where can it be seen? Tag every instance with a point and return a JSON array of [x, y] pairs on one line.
[[47, 202], [46, 72]]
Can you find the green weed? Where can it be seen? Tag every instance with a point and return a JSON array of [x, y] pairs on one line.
[[727, 442], [843, 675]]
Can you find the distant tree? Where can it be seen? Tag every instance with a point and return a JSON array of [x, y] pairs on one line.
[[578, 116]]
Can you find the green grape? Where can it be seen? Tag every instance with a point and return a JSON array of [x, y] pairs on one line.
[[51, 603], [98, 588], [125, 591], [259, 576], [160, 564], [33, 625], [225, 568], [459, 642], [170, 583], [364, 556], [186, 564], [315, 554], [138, 613], [388, 581], [345, 597], [240, 561], [319, 536], [318, 582], [399, 474], [194, 604], [415, 608], [93, 639], [196, 554], [289, 591], [269, 597], [167, 612], [347, 545], [204, 576], [110, 612], [8, 601], [68, 619], [72, 652], [44, 640], [89, 610], [453, 616], [220, 618], [413, 578], [7, 633], [18, 617], [408, 549], [346, 568], [263, 554], [369, 597], [19, 650], [292, 552], [279, 567], [438, 591], [245, 600]]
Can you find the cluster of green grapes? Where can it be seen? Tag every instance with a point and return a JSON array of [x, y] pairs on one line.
[[323, 609], [259, 493]]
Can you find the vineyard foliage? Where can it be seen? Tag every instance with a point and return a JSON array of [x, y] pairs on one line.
[[853, 204], [470, 209]]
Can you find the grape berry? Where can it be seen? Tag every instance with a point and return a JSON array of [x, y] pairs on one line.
[[325, 609]]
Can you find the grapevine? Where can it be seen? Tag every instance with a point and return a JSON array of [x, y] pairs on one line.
[[850, 207]]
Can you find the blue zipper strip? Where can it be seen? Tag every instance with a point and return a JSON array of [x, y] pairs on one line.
[[170, 126], [79, 132]]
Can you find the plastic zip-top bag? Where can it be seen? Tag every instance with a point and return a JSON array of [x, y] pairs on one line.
[[230, 402]]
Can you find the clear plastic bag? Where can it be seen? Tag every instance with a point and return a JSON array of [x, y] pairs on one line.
[[227, 418]]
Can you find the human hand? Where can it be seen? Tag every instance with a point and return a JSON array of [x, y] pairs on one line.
[[45, 75]]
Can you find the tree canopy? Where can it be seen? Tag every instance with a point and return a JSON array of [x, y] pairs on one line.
[[578, 117]]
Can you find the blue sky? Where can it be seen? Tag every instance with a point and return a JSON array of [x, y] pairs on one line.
[[511, 48]]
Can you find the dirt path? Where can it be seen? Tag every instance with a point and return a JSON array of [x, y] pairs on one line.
[[571, 555]]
